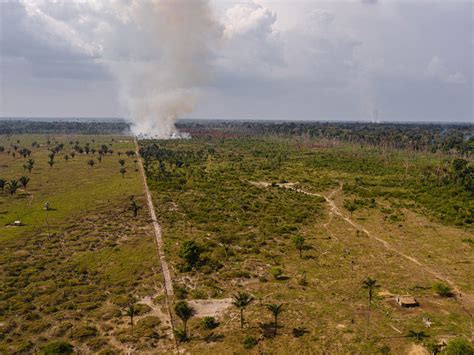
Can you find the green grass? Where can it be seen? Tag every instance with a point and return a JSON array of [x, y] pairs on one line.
[[205, 190], [75, 265]]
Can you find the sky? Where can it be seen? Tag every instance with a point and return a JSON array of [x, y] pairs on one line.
[[288, 60]]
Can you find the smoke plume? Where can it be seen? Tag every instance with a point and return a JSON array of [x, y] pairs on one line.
[[165, 63]]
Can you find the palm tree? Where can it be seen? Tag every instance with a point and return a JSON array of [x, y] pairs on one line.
[[24, 180], [185, 313], [2, 184], [66, 157], [131, 312], [122, 162], [51, 163], [29, 164], [241, 300], [12, 186], [91, 162], [370, 285], [123, 171], [73, 154], [276, 309]]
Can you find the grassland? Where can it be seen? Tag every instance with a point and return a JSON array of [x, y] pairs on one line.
[[68, 273], [71, 272], [242, 201]]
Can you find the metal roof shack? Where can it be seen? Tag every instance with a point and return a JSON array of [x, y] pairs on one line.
[[407, 301]]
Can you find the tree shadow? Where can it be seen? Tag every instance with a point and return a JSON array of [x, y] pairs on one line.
[[299, 331], [268, 329], [212, 338]]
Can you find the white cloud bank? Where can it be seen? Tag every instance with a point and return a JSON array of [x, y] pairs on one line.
[[250, 59]]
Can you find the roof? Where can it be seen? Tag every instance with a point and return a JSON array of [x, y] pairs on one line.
[[406, 300]]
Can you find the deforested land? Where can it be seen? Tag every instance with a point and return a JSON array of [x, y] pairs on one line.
[[279, 237]]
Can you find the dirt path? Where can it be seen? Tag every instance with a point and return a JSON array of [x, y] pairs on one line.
[[336, 211], [159, 239]]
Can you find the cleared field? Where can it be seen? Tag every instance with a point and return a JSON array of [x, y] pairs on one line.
[[70, 272], [243, 201]]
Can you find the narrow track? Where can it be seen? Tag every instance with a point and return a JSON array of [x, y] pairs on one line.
[[158, 238], [336, 211]]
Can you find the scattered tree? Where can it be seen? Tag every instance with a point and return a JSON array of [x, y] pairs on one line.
[[350, 206], [190, 253], [135, 207], [12, 186], [298, 241], [185, 313], [91, 162], [241, 300], [370, 285], [275, 309], [123, 171], [131, 312], [24, 180]]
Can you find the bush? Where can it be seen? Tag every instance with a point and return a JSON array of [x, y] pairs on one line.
[[442, 289], [57, 347], [276, 272], [249, 342], [180, 335], [209, 323], [458, 346]]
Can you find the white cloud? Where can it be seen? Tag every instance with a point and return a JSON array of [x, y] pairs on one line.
[[437, 69], [317, 59]]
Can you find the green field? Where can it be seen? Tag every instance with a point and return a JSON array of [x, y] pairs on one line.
[[238, 200], [67, 273], [240, 205]]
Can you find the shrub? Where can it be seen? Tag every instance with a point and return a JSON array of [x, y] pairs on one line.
[[276, 272], [442, 289], [209, 323], [249, 342], [458, 346], [57, 347], [180, 335], [190, 253]]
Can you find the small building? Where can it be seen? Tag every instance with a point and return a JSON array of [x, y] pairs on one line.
[[406, 301], [17, 223]]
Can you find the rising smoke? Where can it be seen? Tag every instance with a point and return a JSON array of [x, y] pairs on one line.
[[166, 64]]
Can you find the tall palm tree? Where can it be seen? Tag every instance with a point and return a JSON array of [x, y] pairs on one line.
[[122, 162], [24, 180], [241, 300], [123, 171], [131, 312], [275, 309], [185, 313], [12, 186], [3, 182], [370, 285]]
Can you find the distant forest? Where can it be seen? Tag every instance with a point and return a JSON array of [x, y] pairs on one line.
[[62, 127], [457, 139], [449, 138]]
